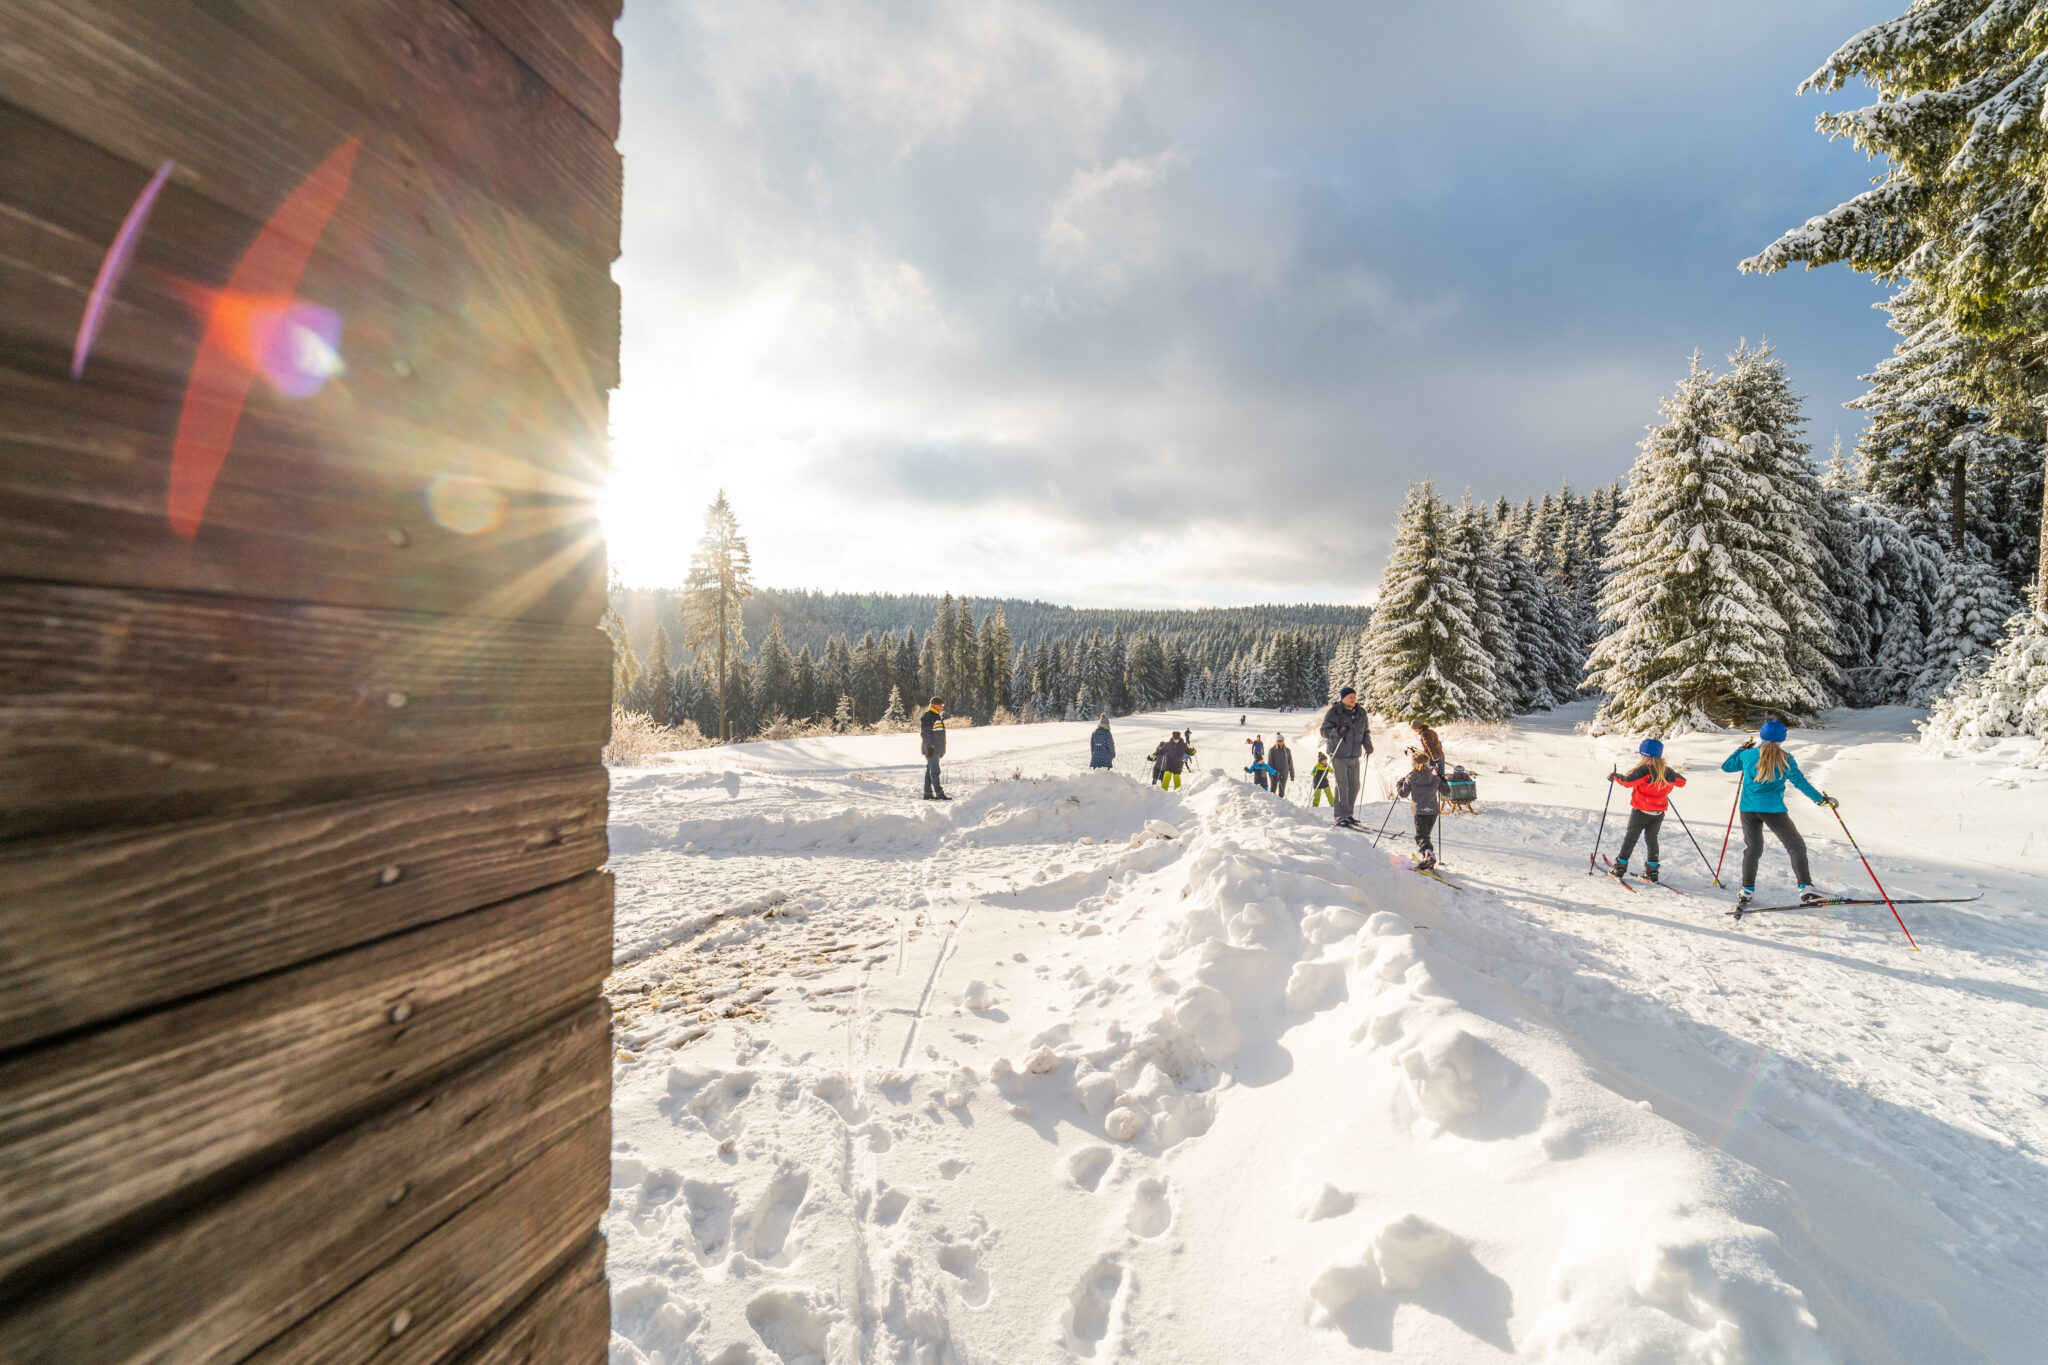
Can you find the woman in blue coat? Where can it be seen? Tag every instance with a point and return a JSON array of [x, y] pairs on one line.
[[1765, 771], [1101, 746]]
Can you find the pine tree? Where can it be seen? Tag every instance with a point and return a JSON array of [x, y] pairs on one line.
[[843, 717], [1478, 561], [835, 671], [658, 679], [1962, 206], [896, 713], [960, 643], [775, 679], [803, 686], [1697, 639], [1423, 658], [719, 584], [625, 664], [2008, 698], [939, 640], [1969, 616]]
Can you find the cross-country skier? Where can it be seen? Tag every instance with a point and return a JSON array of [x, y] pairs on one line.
[[1650, 784], [1421, 785], [1102, 745], [1347, 735], [1280, 759], [1765, 771], [1173, 756], [1258, 770], [1431, 745], [933, 725], [1319, 781]]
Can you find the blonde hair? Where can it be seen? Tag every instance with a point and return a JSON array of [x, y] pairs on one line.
[[1771, 762], [1421, 759], [1657, 768]]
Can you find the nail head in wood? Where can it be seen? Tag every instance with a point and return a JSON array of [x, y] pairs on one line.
[[401, 1011], [400, 1320]]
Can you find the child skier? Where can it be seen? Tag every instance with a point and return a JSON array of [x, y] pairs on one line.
[[1259, 773], [1421, 785], [1319, 782], [1765, 772], [1650, 784]]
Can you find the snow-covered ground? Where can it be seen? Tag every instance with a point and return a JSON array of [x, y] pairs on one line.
[[1075, 1069]]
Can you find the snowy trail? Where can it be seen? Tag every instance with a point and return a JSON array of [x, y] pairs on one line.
[[1074, 1069]]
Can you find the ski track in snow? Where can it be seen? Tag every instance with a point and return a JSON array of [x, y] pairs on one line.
[[1073, 1069]]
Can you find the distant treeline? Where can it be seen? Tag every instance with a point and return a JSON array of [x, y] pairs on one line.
[[858, 659]]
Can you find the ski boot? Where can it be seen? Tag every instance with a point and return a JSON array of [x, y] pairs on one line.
[[1810, 896], [1426, 862], [1742, 902], [1649, 872], [1618, 868]]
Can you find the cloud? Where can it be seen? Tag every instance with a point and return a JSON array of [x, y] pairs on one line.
[[1154, 301]]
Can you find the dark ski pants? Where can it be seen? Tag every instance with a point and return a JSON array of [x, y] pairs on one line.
[[1279, 786], [931, 776], [1425, 821], [1753, 824], [1646, 823], [1346, 770], [1259, 778]]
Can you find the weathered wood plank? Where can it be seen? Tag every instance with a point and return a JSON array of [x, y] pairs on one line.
[[452, 1285], [127, 920], [242, 1270], [130, 707], [306, 508], [565, 1321], [111, 1130], [572, 46], [145, 82]]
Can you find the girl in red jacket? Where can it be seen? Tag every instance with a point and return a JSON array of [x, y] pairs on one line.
[[1650, 785]]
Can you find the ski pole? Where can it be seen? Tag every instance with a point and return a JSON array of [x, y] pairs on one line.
[[1729, 832], [1384, 820], [1695, 843], [1873, 875], [1593, 858]]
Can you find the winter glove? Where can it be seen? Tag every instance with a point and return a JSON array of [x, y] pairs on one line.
[[1747, 744], [1828, 801]]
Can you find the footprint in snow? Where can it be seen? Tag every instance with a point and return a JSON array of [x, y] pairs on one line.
[[1151, 1213], [1087, 1166], [1091, 1306]]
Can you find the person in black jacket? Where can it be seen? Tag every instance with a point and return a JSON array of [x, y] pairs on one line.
[[1171, 758], [932, 730], [1102, 746], [1280, 759], [1347, 736]]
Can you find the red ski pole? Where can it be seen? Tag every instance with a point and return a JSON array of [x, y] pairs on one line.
[[1729, 832], [1873, 875]]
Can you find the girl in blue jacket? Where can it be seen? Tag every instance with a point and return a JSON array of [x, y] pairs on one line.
[[1765, 771]]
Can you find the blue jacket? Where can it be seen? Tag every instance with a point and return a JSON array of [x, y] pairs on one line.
[[1765, 797], [1101, 748]]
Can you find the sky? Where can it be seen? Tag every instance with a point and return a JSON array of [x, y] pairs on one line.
[[1165, 302]]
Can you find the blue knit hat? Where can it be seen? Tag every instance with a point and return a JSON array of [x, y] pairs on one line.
[[1349, 691], [1773, 732], [1651, 748]]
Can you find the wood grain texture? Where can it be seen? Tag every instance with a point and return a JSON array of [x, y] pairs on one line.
[[452, 1285], [144, 81], [567, 1321], [128, 920], [107, 1130], [242, 1270], [129, 707], [571, 45]]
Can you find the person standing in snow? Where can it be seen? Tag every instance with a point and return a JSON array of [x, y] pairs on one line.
[[1280, 759], [932, 731], [1421, 786], [1258, 770], [1765, 771], [1347, 735], [1319, 781], [1431, 746], [1173, 757], [1102, 745], [1650, 784]]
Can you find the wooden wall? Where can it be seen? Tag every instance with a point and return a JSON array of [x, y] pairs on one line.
[[302, 821]]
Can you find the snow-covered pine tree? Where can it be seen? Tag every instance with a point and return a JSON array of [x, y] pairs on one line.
[[2009, 698], [625, 663], [775, 679], [1696, 637], [843, 717], [1423, 658], [945, 680], [658, 679], [1545, 659], [1344, 666], [1970, 612], [803, 685], [1023, 692], [896, 713], [1485, 573], [1762, 418]]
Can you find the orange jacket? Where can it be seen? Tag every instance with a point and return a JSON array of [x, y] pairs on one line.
[[1646, 794]]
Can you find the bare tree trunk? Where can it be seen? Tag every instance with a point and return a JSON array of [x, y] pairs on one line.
[[1959, 504]]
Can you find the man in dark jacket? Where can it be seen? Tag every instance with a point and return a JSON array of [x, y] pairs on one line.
[[932, 728], [1347, 737], [1102, 746], [1280, 759]]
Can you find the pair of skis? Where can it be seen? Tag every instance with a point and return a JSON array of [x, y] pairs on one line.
[[1739, 911], [1626, 885]]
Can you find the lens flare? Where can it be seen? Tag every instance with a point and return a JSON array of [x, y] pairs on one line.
[[235, 347], [293, 343], [114, 266], [465, 504]]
